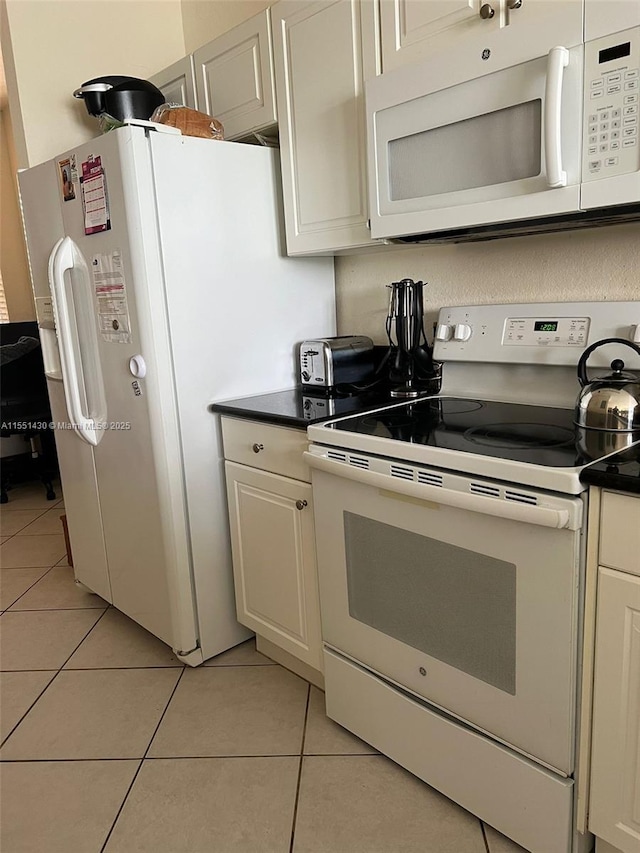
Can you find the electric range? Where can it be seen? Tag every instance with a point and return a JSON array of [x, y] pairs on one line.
[[451, 565]]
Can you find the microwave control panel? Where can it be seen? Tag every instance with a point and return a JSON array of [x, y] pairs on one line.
[[612, 88]]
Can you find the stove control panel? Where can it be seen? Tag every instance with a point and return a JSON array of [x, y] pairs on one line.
[[549, 333], [546, 331]]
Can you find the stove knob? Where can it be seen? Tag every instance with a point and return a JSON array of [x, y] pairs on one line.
[[306, 376], [635, 333], [443, 332], [461, 332]]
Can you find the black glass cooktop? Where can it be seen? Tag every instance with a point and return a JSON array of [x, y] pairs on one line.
[[530, 434]]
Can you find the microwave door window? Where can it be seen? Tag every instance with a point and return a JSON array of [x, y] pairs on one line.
[[482, 151], [454, 604]]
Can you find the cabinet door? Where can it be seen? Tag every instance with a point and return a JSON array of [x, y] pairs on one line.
[[320, 70], [620, 532], [234, 78], [605, 17], [413, 31], [518, 30], [614, 812], [177, 83], [274, 564]]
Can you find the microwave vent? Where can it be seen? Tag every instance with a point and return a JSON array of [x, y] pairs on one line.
[[615, 215]]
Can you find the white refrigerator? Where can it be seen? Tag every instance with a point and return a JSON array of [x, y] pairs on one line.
[[161, 285]]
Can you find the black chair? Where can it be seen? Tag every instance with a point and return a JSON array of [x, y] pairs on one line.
[[24, 405]]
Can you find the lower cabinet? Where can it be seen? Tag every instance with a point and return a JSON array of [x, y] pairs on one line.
[[614, 807], [273, 544]]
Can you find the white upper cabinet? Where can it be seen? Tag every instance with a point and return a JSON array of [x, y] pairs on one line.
[[501, 32], [234, 78], [414, 31], [605, 17], [323, 53], [177, 83]]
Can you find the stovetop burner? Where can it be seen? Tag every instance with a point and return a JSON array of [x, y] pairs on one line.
[[521, 435], [530, 434]]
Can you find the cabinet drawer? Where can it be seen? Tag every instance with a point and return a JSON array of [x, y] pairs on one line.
[[620, 532], [270, 448]]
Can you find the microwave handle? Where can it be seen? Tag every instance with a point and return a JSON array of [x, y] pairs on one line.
[[557, 61]]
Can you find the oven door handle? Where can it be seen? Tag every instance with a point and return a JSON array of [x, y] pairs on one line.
[[512, 510]]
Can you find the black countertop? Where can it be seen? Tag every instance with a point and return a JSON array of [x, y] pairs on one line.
[[293, 408], [614, 473]]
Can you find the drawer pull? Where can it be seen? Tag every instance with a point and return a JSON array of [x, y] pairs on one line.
[[301, 504], [258, 447]]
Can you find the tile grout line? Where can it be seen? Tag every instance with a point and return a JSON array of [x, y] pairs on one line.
[[157, 758], [142, 760], [42, 576], [190, 757], [484, 837], [48, 670], [28, 524], [295, 803], [54, 609]]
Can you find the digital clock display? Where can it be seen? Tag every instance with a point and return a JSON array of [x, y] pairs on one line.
[[545, 326]]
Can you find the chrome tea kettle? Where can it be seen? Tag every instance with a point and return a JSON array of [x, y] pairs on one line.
[[612, 402]]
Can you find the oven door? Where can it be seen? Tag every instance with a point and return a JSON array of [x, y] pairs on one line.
[[496, 148], [461, 593]]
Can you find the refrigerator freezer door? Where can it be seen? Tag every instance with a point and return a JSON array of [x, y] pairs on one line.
[[40, 197], [81, 500]]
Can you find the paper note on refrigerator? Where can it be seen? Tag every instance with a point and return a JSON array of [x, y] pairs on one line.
[[94, 197], [109, 284]]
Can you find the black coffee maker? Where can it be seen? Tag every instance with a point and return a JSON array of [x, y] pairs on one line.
[[119, 97], [411, 370]]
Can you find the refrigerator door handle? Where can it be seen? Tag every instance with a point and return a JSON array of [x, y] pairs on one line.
[[78, 338]]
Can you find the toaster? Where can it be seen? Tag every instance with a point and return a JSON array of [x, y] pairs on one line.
[[327, 362]]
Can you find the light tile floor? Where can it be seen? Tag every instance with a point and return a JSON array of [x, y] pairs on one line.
[[110, 744]]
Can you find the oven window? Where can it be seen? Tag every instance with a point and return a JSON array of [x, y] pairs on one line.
[[458, 606], [482, 151]]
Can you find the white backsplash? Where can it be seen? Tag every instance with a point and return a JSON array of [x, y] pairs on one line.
[[595, 264]]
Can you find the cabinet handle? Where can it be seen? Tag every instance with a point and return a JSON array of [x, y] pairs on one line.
[[514, 4], [257, 448], [487, 11], [301, 504]]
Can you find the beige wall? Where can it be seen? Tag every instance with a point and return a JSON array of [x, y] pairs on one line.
[[52, 46], [13, 253], [597, 264], [203, 20]]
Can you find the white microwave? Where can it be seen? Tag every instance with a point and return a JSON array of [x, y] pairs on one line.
[[546, 144]]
